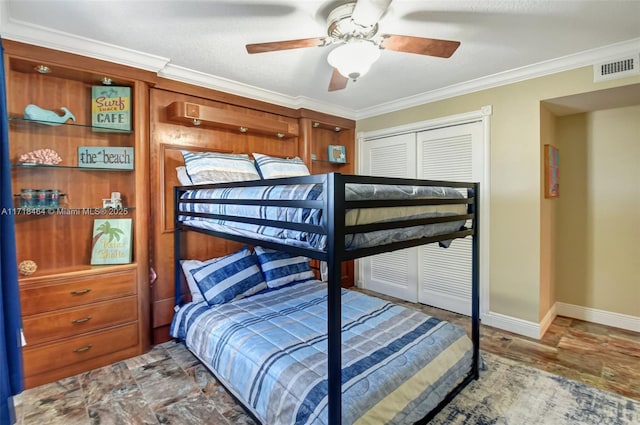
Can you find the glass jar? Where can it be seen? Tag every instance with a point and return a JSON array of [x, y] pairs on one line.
[[40, 198], [53, 198], [26, 197]]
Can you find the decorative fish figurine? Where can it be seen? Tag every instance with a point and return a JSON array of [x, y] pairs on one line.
[[36, 113]]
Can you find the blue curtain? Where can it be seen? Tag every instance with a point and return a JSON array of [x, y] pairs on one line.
[[11, 375]]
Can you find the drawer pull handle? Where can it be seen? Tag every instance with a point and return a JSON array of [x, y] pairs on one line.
[[84, 319], [83, 349], [81, 291]]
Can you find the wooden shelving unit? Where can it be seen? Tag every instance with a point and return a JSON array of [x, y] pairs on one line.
[[76, 316]]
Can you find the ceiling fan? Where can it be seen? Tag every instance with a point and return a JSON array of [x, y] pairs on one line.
[[354, 27]]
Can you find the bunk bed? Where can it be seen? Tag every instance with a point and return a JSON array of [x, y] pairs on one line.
[[330, 224]]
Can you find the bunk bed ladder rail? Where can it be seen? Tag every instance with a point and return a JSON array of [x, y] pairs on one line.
[[474, 209], [334, 202], [176, 247]]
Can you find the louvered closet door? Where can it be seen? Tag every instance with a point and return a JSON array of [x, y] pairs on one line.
[[392, 273], [452, 153]]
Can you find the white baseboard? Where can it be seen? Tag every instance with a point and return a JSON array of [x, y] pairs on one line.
[[536, 330], [512, 324], [608, 318]]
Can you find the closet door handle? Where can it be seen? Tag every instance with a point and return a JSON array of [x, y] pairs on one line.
[[81, 291], [84, 319], [83, 349]]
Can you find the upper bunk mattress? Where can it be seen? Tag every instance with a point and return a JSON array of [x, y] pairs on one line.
[[353, 192], [270, 350]]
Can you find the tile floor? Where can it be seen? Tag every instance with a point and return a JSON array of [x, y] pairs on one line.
[[169, 386]]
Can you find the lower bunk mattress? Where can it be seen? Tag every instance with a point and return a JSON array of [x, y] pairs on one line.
[[270, 351]]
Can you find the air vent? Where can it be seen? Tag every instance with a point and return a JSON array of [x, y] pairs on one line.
[[616, 68]]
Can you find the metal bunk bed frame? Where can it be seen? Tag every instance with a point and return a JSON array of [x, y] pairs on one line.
[[334, 206]]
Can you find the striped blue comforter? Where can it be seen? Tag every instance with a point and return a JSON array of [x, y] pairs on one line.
[[353, 192], [270, 351]]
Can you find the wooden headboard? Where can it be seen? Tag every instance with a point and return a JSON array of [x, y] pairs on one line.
[[171, 132]]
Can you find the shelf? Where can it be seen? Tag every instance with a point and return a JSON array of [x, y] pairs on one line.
[[211, 116], [68, 167], [24, 123], [326, 161], [45, 276]]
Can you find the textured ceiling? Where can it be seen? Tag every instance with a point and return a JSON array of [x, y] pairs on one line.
[[203, 42]]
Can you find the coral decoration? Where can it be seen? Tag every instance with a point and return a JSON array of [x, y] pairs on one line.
[[27, 267], [41, 156]]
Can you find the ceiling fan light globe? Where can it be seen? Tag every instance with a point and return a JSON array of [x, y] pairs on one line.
[[354, 59]]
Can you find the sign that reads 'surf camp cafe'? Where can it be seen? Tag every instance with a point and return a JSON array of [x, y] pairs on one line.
[[117, 158], [111, 108]]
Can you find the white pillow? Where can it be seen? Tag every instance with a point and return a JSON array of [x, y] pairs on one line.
[[215, 167], [183, 176], [271, 167], [187, 266]]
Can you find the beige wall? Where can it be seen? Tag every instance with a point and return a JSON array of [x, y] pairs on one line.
[[516, 201], [598, 231]]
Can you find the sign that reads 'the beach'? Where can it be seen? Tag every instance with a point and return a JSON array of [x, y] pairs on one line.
[[116, 158]]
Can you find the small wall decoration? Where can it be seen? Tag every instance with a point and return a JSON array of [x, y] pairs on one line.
[[27, 267], [117, 158], [111, 242], [114, 202], [337, 154], [551, 172], [36, 113], [40, 156], [111, 108]]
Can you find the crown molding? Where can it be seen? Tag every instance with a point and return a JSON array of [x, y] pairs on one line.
[[45, 37], [186, 75], [566, 63]]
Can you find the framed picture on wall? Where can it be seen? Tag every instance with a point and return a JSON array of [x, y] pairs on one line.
[[112, 241], [337, 153], [551, 171]]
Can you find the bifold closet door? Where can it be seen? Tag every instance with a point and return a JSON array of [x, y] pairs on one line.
[[428, 274], [392, 273], [453, 154]]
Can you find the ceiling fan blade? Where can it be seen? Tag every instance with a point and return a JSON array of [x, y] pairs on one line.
[[285, 45], [419, 45], [338, 81], [368, 12]]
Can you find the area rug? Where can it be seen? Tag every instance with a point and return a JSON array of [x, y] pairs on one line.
[[510, 393]]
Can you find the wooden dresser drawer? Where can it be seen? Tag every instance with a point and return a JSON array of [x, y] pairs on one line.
[[57, 355], [76, 291], [54, 325]]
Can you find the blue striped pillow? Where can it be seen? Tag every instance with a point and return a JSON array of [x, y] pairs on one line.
[[273, 168], [215, 167], [280, 268], [231, 277]]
